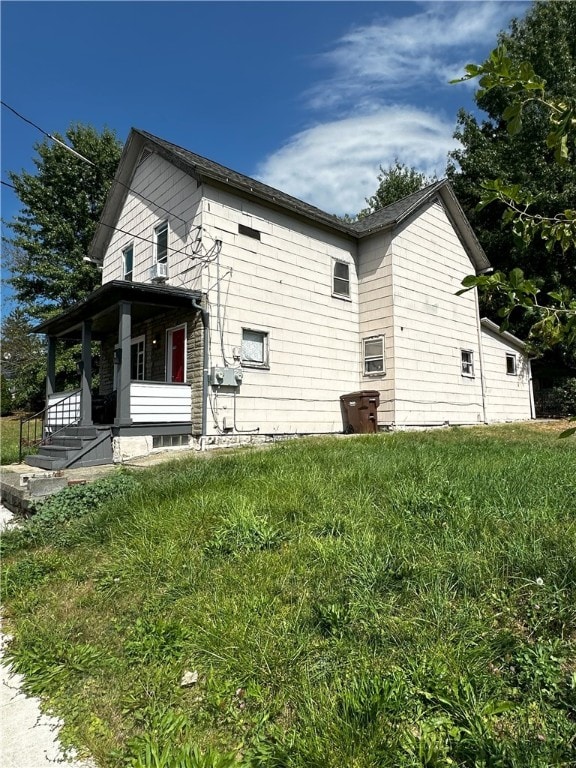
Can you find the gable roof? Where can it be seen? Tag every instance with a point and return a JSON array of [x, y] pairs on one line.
[[205, 170]]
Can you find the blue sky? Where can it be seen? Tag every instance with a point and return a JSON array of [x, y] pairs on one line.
[[310, 97]]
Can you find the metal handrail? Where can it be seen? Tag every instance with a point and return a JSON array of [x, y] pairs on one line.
[[44, 438]]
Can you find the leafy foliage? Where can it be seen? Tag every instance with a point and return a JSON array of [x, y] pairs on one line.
[[24, 360], [394, 183], [534, 118], [52, 516], [61, 205]]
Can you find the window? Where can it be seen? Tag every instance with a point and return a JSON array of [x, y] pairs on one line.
[[467, 363], [137, 359], [128, 260], [374, 356], [254, 348], [161, 239], [248, 231], [511, 365], [341, 281]]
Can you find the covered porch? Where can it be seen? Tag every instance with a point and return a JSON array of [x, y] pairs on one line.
[[152, 349]]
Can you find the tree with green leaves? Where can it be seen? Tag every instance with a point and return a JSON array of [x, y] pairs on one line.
[[61, 205], [394, 183], [23, 362], [520, 156]]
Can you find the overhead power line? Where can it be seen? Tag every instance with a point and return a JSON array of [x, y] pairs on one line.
[[85, 159], [139, 194]]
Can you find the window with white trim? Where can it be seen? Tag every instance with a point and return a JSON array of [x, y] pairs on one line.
[[467, 363], [374, 356], [128, 262], [161, 243], [511, 367], [254, 348], [137, 358], [341, 279]]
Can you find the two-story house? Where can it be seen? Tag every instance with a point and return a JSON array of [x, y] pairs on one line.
[[229, 309]]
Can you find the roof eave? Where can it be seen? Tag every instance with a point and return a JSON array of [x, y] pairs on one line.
[[494, 327]]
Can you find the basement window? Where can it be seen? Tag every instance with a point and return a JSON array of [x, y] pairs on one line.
[[467, 363], [248, 231], [169, 441], [511, 368]]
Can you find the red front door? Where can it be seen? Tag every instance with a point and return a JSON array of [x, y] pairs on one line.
[[177, 355]]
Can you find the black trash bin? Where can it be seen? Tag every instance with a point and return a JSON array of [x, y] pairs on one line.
[[361, 411]]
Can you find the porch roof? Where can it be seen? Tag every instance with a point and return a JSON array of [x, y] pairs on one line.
[[101, 307]]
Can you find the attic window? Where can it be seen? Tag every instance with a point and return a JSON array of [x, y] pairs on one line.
[[248, 231]]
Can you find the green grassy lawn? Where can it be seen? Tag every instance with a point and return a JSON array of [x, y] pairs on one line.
[[401, 600], [9, 440]]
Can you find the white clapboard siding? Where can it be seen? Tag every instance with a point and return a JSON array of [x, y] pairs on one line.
[[160, 402], [67, 413], [508, 396]]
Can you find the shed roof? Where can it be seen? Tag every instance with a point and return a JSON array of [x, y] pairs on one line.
[[102, 304]]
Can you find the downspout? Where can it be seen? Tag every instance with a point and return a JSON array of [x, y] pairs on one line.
[[481, 354], [206, 325], [531, 390]]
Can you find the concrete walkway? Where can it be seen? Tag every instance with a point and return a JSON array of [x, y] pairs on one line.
[[28, 739]]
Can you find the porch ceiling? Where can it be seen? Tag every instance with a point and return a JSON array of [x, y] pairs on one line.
[[101, 307]]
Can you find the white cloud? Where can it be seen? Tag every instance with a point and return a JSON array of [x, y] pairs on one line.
[[396, 54], [334, 165], [371, 69]]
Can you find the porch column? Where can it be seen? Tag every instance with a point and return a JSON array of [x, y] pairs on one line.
[[51, 367], [123, 364], [86, 375]]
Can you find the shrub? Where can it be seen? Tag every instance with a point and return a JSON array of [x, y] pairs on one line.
[[54, 515], [559, 401]]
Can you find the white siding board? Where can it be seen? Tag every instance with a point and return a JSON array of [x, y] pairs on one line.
[[282, 284], [508, 397], [432, 325]]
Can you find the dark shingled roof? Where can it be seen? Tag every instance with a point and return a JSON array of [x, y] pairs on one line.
[[201, 167], [395, 212], [218, 175]]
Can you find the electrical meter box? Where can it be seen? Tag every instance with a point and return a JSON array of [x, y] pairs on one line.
[[226, 377]]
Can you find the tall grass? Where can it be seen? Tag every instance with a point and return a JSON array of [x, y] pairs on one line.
[[9, 440], [403, 600]]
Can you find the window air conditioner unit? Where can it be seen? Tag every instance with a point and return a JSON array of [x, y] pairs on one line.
[[159, 272]]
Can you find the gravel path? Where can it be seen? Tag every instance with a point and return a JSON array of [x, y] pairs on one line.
[[28, 739]]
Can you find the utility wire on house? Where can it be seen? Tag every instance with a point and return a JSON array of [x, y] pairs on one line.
[[182, 251], [85, 159]]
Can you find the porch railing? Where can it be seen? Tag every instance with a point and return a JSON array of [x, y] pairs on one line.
[[160, 401], [62, 411]]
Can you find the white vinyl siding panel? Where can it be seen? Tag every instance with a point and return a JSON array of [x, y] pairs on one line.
[[507, 396], [282, 284], [175, 191], [376, 317], [153, 402], [432, 325]]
